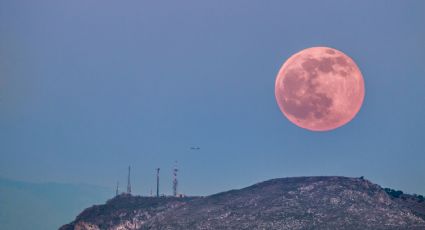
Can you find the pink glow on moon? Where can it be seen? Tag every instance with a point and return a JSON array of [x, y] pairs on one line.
[[319, 89]]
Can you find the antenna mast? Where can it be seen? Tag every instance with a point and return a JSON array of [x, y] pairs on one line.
[[157, 182], [175, 181], [117, 191], [128, 182]]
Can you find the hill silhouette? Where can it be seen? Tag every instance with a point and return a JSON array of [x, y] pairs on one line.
[[287, 203]]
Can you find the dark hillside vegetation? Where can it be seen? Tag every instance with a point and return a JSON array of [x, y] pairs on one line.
[[287, 203]]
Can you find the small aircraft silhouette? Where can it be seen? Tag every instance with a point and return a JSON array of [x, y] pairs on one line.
[[195, 148]]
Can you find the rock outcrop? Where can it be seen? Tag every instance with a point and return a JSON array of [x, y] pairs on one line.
[[288, 203]]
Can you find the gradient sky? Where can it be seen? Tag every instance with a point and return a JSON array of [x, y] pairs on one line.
[[89, 87]]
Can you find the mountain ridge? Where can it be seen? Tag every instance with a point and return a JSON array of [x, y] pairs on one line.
[[284, 203]]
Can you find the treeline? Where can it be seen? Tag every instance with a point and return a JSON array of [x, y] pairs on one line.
[[399, 194]]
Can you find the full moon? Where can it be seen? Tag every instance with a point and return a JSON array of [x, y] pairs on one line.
[[319, 89]]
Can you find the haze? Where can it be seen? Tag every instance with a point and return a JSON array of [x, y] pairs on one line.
[[89, 87]]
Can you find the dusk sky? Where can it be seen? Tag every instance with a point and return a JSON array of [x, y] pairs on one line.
[[89, 87]]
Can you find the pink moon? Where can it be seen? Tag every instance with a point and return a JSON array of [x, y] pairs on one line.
[[319, 89]]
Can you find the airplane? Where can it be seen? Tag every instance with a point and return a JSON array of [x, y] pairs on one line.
[[195, 148]]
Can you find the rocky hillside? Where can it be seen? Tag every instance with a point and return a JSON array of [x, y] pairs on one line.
[[288, 203], [416, 203]]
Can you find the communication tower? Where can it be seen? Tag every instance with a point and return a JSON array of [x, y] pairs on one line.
[[157, 182], [117, 189], [128, 181], [175, 181]]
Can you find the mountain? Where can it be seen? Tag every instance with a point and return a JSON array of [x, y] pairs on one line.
[[287, 203], [44, 206]]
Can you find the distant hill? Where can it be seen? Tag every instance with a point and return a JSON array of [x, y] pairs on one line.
[[288, 203], [44, 206]]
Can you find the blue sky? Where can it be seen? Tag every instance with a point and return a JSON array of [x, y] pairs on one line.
[[89, 87]]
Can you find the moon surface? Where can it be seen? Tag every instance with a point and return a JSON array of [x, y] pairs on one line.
[[319, 89]]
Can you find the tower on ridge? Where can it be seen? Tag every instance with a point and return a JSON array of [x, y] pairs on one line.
[[157, 182], [129, 181], [117, 189], [175, 181]]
